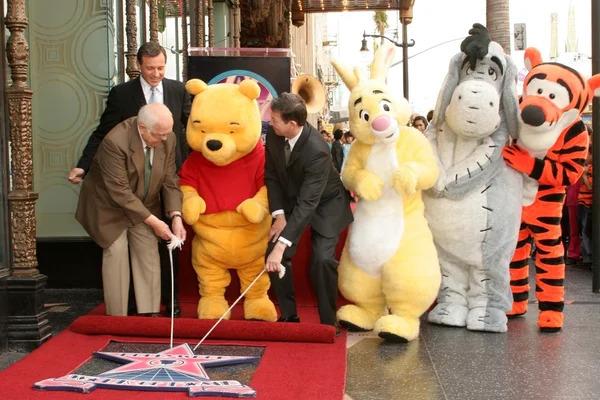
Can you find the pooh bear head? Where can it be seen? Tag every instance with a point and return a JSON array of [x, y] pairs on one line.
[[224, 123]]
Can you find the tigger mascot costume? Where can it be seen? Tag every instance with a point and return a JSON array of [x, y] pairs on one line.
[[550, 152]]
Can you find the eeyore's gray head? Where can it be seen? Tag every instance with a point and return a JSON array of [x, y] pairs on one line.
[[479, 90]]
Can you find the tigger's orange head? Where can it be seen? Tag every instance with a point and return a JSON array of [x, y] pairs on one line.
[[553, 94]]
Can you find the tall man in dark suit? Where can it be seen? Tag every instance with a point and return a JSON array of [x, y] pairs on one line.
[[124, 101], [132, 174], [303, 188]]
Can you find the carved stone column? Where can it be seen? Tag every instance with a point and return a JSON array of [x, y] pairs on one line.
[[237, 24], [211, 23], [131, 32], [184, 39], [200, 32], [28, 325], [153, 20]]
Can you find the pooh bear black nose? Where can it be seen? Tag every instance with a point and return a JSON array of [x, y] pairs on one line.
[[214, 145], [533, 115]]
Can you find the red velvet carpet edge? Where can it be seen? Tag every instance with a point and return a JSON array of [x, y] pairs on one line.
[[287, 370], [196, 329]]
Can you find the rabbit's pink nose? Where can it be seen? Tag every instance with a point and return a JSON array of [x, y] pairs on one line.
[[381, 123]]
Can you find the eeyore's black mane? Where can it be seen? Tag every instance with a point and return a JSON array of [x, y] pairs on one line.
[[475, 46]]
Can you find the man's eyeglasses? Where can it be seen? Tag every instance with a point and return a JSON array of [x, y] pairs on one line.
[[157, 135]]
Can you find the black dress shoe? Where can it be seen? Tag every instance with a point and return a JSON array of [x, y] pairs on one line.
[[151, 314], [289, 319], [338, 331], [176, 311]]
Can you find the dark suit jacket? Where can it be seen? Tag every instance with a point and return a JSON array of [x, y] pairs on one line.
[[337, 155], [309, 189], [111, 195], [125, 100]]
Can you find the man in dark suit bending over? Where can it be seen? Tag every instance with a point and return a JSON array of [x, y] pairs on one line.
[[124, 101], [303, 188]]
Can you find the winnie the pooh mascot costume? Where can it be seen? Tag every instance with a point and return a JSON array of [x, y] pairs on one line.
[[224, 196], [475, 206], [389, 267]]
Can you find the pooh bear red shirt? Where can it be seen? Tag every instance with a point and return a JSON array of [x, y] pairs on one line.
[[224, 188]]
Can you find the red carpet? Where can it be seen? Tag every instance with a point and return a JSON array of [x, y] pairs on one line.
[[286, 371], [301, 361]]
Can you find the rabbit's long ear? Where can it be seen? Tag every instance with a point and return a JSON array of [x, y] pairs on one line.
[[382, 61], [349, 77], [445, 95]]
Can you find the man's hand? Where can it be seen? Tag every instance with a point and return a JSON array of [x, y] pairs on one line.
[[277, 227], [159, 227], [76, 175], [178, 229], [274, 259]]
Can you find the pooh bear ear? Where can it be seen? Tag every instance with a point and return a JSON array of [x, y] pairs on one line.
[[195, 86], [250, 89], [533, 57]]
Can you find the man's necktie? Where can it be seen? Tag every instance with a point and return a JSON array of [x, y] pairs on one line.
[[147, 172], [153, 97], [288, 151]]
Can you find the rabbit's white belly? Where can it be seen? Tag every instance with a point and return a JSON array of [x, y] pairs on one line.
[[378, 225]]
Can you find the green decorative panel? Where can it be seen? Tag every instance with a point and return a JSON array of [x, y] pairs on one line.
[[72, 62]]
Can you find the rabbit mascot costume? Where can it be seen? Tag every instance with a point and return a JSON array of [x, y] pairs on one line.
[[389, 268]]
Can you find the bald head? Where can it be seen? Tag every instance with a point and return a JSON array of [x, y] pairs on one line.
[[155, 123], [157, 117]]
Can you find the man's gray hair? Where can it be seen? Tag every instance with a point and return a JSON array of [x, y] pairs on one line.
[[150, 114]]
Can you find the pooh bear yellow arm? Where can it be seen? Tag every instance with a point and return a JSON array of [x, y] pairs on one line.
[[256, 208], [193, 205]]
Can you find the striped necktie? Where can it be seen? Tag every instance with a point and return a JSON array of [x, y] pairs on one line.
[[288, 151], [147, 172]]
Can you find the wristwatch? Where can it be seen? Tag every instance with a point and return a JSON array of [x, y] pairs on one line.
[[175, 216]]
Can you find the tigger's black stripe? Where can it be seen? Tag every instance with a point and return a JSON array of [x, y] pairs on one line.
[[554, 198], [552, 306], [520, 296], [566, 86], [552, 261], [568, 69], [574, 130], [553, 282], [550, 242], [549, 220], [538, 169], [570, 150], [538, 229], [518, 264], [519, 282]]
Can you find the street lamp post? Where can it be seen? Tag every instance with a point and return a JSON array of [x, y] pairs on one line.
[[405, 45]]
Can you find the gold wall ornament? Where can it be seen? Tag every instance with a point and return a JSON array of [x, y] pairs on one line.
[[236, 23], [153, 20], [200, 31], [21, 196], [211, 23], [184, 39], [132, 68]]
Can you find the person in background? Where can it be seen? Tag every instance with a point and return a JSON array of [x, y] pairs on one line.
[[429, 116], [348, 139], [133, 174], [304, 189], [124, 101], [326, 138], [337, 150], [584, 201], [420, 123]]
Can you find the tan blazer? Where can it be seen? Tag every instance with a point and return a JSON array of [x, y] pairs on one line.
[[111, 196]]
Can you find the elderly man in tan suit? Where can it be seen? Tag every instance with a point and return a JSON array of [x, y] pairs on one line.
[[120, 201]]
